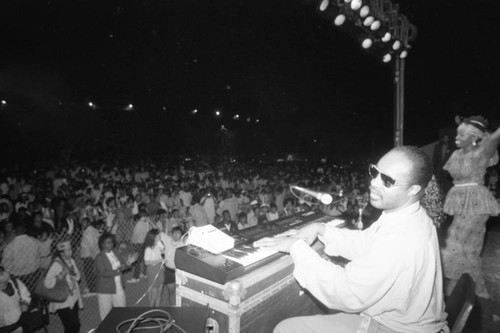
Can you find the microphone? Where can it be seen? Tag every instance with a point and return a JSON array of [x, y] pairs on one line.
[[325, 198]]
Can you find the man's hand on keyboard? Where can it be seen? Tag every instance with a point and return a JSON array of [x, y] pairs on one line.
[[309, 233], [282, 244]]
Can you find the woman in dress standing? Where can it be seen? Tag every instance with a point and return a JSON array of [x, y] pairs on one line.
[[469, 201], [153, 258]]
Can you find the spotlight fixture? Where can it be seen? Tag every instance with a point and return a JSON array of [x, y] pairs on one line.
[[375, 25], [339, 20], [217, 113], [356, 4], [4, 102], [236, 117], [403, 54], [386, 58], [386, 37], [324, 5], [368, 21], [364, 11], [396, 45], [367, 43], [195, 111]]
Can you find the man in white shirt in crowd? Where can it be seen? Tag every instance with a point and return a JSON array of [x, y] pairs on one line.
[[208, 202], [89, 249], [393, 282], [197, 212], [230, 203], [186, 197]]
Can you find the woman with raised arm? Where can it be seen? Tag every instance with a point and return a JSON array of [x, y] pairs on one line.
[[469, 201]]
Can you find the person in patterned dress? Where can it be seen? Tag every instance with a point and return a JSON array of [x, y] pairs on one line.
[[469, 201]]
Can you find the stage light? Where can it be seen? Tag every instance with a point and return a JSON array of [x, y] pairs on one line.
[[257, 120], [91, 104], [386, 37], [364, 11], [324, 5], [367, 43], [387, 57], [347, 1], [236, 117], [375, 25], [403, 54], [195, 111], [356, 4], [339, 20], [396, 45], [368, 21], [4, 102], [217, 113], [130, 106]]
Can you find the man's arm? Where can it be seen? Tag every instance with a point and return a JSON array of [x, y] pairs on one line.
[[362, 283]]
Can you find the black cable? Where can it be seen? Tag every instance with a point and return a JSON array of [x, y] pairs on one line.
[[163, 323]]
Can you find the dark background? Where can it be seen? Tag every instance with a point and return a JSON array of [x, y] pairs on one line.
[[314, 90]]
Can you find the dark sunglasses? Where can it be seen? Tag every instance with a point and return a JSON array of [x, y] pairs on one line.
[[388, 181]]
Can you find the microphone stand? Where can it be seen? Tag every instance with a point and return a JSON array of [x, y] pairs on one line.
[[361, 209]]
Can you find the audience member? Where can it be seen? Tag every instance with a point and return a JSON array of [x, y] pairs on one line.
[[89, 249], [14, 301], [25, 267], [110, 282], [174, 241], [64, 267], [154, 260]]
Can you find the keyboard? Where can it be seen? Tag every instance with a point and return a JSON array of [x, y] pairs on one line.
[[243, 258], [247, 254]]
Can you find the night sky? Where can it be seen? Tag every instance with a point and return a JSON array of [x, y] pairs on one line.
[[309, 84]]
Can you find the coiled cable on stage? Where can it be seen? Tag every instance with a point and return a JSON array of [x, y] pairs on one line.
[[162, 323]]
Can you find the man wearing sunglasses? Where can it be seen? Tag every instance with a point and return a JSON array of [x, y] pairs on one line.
[[393, 282]]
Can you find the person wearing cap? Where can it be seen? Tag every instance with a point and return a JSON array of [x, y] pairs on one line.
[[469, 201], [64, 267]]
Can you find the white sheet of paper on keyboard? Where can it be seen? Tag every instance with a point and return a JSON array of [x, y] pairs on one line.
[[211, 239]]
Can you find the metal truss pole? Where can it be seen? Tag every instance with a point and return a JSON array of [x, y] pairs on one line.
[[399, 71]]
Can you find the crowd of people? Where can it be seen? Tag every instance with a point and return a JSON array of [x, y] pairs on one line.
[[121, 217]]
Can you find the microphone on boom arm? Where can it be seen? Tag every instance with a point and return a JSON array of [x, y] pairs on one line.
[[325, 198]]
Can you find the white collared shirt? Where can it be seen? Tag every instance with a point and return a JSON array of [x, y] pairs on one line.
[[394, 275]]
